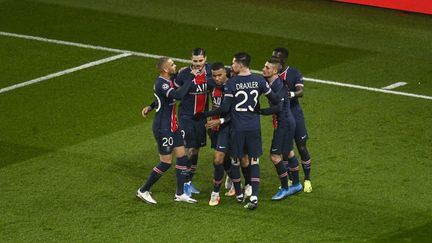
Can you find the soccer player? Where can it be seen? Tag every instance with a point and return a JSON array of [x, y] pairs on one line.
[[241, 95], [195, 101], [167, 132], [218, 132], [294, 79], [283, 134]]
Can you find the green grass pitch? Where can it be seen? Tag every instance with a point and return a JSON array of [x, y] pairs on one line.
[[74, 149]]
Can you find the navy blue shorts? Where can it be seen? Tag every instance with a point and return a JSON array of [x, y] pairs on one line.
[[283, 140], [220, 139], [168, 140], [246, 143], [301, 134], [194, 132]]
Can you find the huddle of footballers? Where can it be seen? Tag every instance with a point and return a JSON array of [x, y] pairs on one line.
[[233, 127]]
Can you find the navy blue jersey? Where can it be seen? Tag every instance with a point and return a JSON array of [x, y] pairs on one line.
[[245, 91], [280, 118], [196, 100], [165, 118], [294, 78]]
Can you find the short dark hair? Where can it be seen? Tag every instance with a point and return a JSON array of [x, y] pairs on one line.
[[283, 51], [198, 51], [243, 58], [274, 60], [160, 63], [217, 65]]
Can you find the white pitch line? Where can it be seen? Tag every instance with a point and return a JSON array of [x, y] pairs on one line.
[[369, 88], [395, 85], [70, 70], [142, 54], [87, 46]]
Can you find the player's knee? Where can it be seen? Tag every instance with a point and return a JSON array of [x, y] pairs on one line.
[[291, 154], [180, 151], [244, 161], [165, 158], [219, 158], [275, 158], [192, 151]]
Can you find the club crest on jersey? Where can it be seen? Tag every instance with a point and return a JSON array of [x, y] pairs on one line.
[[165, 86]]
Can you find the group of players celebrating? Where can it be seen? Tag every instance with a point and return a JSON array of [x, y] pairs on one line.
[[233, 125]]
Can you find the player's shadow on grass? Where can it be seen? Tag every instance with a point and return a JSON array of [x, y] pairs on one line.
[[12, 153], [417, 234]]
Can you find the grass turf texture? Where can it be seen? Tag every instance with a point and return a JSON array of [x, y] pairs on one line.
[[74, 149]]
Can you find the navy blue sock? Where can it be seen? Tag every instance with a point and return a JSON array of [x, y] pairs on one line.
[[227, 164], [255, 178], [306, 169], [290, 176], [293, 167], [282, 173], [246, 171], [235, 177], [193, 165], [217, 176], [156, 173], [188, 165], [285, 161], [181, 173], [306, 160]]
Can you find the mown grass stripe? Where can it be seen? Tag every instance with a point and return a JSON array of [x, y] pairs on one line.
[[142, 54], [70, 70]]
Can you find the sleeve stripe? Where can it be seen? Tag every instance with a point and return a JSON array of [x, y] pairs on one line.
[[175, 84], [268, 92], [228, 95], [167, 93]]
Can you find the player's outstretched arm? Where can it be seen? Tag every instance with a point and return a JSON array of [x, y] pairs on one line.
[[275, 98], [299, 91], [182, 91], [298, 84], [217, 122], [222, 110], [271, 110], [226, 118]]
